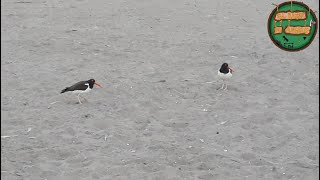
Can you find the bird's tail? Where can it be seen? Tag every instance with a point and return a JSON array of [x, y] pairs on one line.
[[65, 90]]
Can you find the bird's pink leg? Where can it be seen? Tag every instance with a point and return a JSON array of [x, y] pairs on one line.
[[79, 99], [226, 87], [222, 85]]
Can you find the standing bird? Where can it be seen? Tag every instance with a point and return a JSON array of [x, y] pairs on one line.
[[81, 87], [224, 73]]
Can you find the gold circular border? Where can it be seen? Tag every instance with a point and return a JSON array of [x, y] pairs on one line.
[[314, 35]]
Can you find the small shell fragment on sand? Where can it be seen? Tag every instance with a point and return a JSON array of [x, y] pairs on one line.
[[201, 140], [29, 129], [223, 122], [3, 137], [54, 102]]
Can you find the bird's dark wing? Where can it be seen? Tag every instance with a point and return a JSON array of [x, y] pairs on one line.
[[78, 86]]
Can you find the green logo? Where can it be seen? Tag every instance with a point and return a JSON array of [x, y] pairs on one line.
[[292, 26]]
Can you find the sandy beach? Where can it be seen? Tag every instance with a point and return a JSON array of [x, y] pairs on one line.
[[159, 115]]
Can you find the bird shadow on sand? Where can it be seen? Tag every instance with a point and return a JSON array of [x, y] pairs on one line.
[[230, 88], [75, 101]]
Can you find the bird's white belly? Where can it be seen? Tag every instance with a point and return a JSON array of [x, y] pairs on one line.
[[224, 76], [80, 92]]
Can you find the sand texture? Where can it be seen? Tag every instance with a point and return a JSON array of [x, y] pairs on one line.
[[159, 115]]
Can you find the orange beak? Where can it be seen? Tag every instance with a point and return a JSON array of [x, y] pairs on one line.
[[231, 69], [98, 84]]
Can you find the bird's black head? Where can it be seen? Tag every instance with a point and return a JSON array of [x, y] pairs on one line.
[[92, 82], [224, 68]]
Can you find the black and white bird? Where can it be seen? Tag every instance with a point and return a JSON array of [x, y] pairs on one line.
[[81, 87], [225, 73]]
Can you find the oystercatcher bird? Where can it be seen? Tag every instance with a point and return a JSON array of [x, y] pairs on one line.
[[225, 73], [81, 87]]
